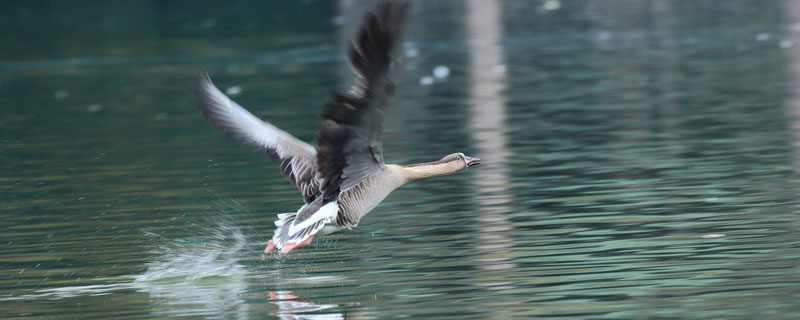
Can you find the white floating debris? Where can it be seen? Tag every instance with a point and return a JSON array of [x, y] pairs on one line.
[[743, 47], [94, 108], [234, 91], [160, 116], [604, 36], [712, 235], [426, 81], [500, 68], [61, 94], [232, 69], [411, 52], [762, 36], [209, 23], [339, 20], [786, 44], [441, 72], [551, 5], [712, 199]]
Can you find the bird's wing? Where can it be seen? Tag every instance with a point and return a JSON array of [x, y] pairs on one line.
[[236, 122], [349, 145]]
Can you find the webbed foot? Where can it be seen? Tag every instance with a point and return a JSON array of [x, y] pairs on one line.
[[289, 246]]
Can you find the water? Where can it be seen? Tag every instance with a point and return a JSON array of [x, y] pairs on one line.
[[639, 161]]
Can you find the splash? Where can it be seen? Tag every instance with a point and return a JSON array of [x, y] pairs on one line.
[[200, 275], [210, 257]]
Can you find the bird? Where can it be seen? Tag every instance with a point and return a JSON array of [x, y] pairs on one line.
[[344, 176]]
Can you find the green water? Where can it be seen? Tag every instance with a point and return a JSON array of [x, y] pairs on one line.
[[639, 161]]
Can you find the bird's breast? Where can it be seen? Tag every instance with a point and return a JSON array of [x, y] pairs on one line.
[[359, 200]]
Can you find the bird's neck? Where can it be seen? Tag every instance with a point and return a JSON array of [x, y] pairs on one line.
[[426, 170]]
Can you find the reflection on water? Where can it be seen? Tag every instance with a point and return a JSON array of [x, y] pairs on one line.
[[638, 163], [487, 127], [290, 307]]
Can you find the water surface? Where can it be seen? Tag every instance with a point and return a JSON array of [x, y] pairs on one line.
[[639, 158]]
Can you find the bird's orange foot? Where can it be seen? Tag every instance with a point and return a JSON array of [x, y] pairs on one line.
[[288, 246], [270, 247]]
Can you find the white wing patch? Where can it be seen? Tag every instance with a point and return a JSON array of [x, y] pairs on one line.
[[326, 213]]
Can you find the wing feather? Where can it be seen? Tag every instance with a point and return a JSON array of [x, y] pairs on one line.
[[236, 122], [349, 140]]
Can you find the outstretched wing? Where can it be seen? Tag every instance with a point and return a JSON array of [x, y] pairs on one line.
[[349, 140], [236, 122]]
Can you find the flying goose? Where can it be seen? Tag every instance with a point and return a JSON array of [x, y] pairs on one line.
[[344, 177]]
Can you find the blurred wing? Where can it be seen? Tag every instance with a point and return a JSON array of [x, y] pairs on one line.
[[236, 122], [349, 140]]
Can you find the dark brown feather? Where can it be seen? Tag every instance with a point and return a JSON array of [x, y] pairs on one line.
[[349, 147]]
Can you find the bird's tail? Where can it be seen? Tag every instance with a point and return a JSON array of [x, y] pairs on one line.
[[282, 231], [312, 218]]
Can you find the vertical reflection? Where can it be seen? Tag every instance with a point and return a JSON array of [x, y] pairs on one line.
[[793, 54], [486, 128]]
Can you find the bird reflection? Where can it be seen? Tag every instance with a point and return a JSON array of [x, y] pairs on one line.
[[293, 307]]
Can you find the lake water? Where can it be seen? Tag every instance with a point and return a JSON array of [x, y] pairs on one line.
[[640, 160]]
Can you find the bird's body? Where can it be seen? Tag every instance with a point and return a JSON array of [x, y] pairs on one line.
[[359, 200], [344, 177]]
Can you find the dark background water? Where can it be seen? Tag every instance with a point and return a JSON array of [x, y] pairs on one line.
[[640, 161]]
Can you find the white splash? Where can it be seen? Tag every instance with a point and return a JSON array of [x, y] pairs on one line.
[[441, 72], [551, 5], [94, 108], [61, 94], [194, 277], [234, 91], [712, 235], [426, 81]]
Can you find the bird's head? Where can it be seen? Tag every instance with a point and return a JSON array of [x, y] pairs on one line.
[[461, 161]]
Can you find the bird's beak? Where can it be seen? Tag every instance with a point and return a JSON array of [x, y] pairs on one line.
[[473, 161]]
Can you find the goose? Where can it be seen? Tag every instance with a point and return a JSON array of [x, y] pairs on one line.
[[344, 177]]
